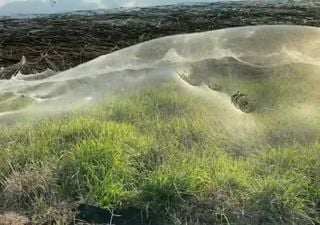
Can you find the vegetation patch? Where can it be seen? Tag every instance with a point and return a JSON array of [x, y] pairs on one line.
[[151, 157]]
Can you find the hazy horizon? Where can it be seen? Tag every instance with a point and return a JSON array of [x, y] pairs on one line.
[[15, 7]]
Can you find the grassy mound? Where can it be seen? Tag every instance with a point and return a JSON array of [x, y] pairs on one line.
[[9, 101], [153, 152]]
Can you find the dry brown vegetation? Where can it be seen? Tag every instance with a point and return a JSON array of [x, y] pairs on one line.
[[11, 218], [23, 188]]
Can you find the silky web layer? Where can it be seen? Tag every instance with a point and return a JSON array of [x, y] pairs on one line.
[[276, 67]]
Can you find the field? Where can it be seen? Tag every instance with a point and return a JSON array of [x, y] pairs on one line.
[[151, 156], [215, 128]]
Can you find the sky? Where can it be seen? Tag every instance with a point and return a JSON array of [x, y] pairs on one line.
[[10, 7]]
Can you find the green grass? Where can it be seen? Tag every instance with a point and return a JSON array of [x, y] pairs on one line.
[[155, 151], [9, 101]]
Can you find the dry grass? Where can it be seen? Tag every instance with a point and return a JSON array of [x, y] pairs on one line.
[[11, 218], [24, 187], [62, 213]]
